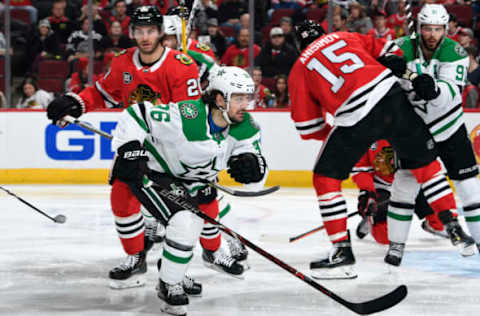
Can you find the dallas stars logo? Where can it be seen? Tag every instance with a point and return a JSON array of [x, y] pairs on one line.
[[221, 72], [203, 172]]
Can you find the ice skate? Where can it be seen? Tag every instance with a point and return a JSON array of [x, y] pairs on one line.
[[130, 273], [433, 230], [238, 251], [363, 228], [460, 239], [174, 299], [190, 287], [222, 262], [395, 253], [338, 265]]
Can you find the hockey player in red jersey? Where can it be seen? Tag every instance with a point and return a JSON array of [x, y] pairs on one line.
[[147, 72], [353, 78], [374, 174]]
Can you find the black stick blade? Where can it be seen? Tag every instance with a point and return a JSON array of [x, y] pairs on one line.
[[60, 219], [381, 303], [256, 193]]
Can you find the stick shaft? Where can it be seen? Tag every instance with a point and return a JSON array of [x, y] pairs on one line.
[[27, 203]]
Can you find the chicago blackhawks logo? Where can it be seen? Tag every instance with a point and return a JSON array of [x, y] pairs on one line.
[[184, 59], [142, 93], [475, 137], [203, 47], [189, 111], [384, 162]]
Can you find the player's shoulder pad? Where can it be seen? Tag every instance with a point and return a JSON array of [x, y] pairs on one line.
[[450, 51], [245, 129], [203, 47], [193, 114], [183, 59], [405, 45]]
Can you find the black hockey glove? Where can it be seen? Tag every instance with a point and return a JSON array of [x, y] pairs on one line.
[[64, 105], [247, 167], [367, 203], [396, 64], [425, 87], [130, 163]]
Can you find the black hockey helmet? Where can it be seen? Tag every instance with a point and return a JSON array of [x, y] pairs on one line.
[[146, 15], [307, 32], [178, 11]]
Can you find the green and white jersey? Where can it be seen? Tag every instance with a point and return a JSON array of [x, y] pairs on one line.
[[179, 142], [449, 67]]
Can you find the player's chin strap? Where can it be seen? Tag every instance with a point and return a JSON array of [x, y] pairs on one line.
[[225, 110], [71, 120]]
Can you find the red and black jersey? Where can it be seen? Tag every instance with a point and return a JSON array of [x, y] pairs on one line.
[[198, 47], [338, 74], [397, 23], [376, 168], [173, 78]]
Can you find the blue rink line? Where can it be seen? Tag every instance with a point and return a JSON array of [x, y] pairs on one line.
[[445, 262]]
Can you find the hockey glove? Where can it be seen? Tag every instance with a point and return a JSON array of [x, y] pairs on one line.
[[68, 104], [247, 167], [130, 163], [367, 203], [395, 63], [425, 87]]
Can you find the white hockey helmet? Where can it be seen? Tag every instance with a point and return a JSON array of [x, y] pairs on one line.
[[432, 14], [172, 25], [228, 81]]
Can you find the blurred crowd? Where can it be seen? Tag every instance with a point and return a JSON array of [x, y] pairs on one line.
[[50, 48]]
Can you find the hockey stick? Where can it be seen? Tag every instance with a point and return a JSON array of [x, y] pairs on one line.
[[364, 308], [295, 238], [230, 191], [60, 219]]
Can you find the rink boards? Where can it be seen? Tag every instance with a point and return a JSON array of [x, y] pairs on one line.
[[34, 151]]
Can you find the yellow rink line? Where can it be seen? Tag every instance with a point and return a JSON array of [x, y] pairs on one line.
[[288, 178]]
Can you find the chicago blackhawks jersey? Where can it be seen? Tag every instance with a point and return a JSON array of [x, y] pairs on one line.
[[338, 74], [376, 168], [449, 66], [179, 141], [173, 78]]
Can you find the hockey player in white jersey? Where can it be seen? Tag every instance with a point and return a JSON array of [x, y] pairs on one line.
[[436, 94], [180, 146]]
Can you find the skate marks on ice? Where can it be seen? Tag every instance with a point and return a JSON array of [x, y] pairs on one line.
[[49, 269]]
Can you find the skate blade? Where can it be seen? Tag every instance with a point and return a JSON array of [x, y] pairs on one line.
[[179, 310], [214, 267], [132, 282], [343, 272], [468, 250]]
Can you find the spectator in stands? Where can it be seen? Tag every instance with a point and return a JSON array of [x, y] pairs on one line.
[[284, 4], [381, 30], [43, 44], [245, 23], [453, 28], [98, 24], [397, 21], [340, 21], [3, 45], [79, 79], [262, 93], [358, 21], [217, 41], [120, 15], [162, 5], [472, 88], [465, 37], [78, 43], [99, 3], [116, 41], [132, 6], [25, 5], [229, 12], [276, 57], [287, 26], [237, 53], [32, 97], [280, 97], [205, 11], [60, 24]]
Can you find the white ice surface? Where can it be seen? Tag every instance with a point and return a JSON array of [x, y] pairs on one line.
[[52, 269]]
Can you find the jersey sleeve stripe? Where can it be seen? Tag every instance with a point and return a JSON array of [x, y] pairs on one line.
[[107, 97], [137, 119], [389, 47], [309, 122]]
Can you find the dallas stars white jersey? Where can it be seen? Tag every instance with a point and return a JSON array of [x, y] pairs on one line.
[[179, 142], [449, 67]]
